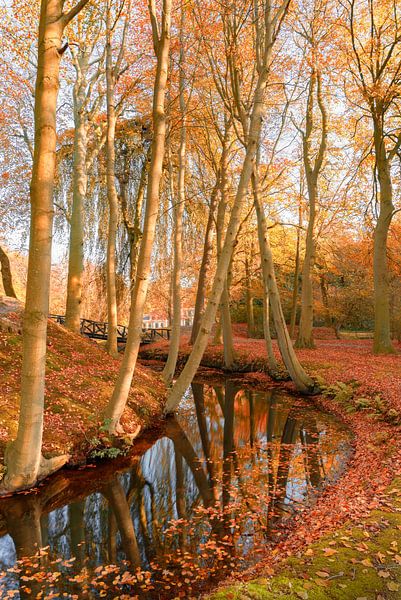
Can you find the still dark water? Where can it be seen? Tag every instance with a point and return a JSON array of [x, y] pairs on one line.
[[199, 501]]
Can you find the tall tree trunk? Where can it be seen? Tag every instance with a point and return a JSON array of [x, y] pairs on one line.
[[169, 369], [112, 197], [294, 306], [6, 274], [223, 264], [312, 172], [24, 461], [225, 314], [382, 336], [302, 381], [80, 182], [205, 265], [267, 333], [250, 316], [119, 398]]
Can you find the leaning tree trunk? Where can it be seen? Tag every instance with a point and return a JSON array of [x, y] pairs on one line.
[[382, 336], [223, 264], [294, 306], [119, 398], [112, 199], [302, 381], [205, 265], [24, 462], [6, 274], [80, 182]]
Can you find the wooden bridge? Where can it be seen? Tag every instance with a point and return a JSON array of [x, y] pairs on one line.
[[97, 330]]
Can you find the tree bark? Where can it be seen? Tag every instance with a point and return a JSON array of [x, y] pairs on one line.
[[205, 265], [6, 274], [302, 381], [169, 369], [112, 197], [382, 335], [80, 182], [312, 172], [294, 307], [118, 400], [225, 314], [223, 264], [23, 458]]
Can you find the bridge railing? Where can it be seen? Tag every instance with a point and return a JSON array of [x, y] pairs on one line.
[[98, 330]]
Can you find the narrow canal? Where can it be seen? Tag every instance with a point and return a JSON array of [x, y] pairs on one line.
[[199, 501]]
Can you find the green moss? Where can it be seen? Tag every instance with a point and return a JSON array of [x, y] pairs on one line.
[[354, 562]]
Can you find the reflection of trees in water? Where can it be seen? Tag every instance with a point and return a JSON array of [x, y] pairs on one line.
[[196, 497]]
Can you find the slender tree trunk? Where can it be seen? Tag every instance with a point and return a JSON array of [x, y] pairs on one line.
[[302, 381], [24, 461], [305, 334], [225, 314], [119, 398], [205, 265], [250, 316], [6, 274], [169, 369], [267, 333], [382, 336], [80, 182], [294, 307], [312, 172], [223, 264], [112, 197]]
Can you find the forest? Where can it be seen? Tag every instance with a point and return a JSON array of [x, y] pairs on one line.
[[200, 299]]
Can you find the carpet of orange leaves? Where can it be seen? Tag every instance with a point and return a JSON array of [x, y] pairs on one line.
[[377, 444]]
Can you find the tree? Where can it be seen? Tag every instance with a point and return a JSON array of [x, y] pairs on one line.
[[375, 57], [267, 36], [86, 103], [313, 158], [24, 461], [6, 274], [161, 43]]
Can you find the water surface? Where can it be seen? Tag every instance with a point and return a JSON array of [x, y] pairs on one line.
[[200, 501]]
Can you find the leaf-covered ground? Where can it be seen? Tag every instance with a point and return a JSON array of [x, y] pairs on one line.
[[79, 381], [365, 392]]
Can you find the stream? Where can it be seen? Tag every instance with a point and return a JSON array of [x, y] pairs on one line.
[[194, 501]]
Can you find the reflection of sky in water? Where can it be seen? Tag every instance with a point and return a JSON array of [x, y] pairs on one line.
[[152, 482]]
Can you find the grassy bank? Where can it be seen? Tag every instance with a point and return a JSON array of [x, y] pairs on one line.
[[79, 381]]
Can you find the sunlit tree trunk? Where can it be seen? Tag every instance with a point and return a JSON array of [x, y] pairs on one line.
[[223, 264], [80, 182], [24, 461], [312, 172], [250, 316], [225, 314], [302, 381], [6, 274], [169, 369], [161, 40], [294, 305], [111, 194], [382, 336], [205, 265], [267, 333]]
